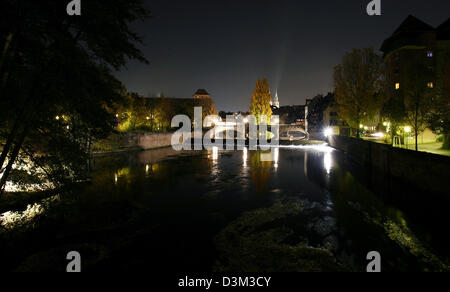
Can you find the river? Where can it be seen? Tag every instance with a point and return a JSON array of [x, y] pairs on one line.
[[310, 209]]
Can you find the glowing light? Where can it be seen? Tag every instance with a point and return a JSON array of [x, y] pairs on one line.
[[385, 124], [407, 129], [328, 132], [57, 118], [148, 118], [117, 115], [327, 162], [361, 126], [430, 85], [276, 157], [245, 156], [215, 153], [116, 178], [378, 135], [68, 127], [147, 168], [12, 219], [397, 86]]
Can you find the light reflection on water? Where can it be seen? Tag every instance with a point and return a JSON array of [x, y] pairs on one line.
[[299, 177], [328, 162], [228, 207]]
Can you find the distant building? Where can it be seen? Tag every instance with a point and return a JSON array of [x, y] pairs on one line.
[[332, 120], [291, 114], [275, 103], [202, 94], [416, 46], [413, 46]]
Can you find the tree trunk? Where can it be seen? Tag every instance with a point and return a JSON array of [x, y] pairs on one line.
[[6, 47], [416, 126], [358, 134], [9, 142], [446, 144], [13, 158]]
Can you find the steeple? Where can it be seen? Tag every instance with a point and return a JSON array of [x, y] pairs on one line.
[[276, 102]]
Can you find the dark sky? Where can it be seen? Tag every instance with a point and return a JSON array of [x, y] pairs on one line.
[[226, 45]]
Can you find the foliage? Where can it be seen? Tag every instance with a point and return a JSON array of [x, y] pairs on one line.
[[316, 108], [261, 98], [257, 242], [417, 97], [140, 114], [57, 88], [358, 83], [438, 117]]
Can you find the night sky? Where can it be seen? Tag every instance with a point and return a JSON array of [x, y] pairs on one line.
[[226, 45]]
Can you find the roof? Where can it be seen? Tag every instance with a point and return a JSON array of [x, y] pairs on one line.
[[407, 34], [413, 24], [201, 92], [444, 30]]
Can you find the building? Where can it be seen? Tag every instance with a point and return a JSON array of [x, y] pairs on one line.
[[415, 46], [416, 53], [275, 103], [202, 94], [332, 120]]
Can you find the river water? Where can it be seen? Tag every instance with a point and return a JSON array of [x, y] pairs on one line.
[[310, 209]]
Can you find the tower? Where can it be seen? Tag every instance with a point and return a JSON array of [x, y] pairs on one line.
[[276, 102], [202, 94]]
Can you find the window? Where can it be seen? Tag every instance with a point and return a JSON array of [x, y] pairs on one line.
[[430, 85], [397, 86], [430, 54]]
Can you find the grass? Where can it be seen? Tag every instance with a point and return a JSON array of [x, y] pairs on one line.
[[428, 146], [433, 147]]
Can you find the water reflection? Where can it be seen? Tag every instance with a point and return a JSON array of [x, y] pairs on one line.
[[276, 156], [215, 153], [307, 209], [244, 157], [261, 164], [327, 162]]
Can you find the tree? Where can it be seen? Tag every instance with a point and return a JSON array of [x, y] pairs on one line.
[[358, 82], [57, 85], [208, 106], [261, 98], [316, 108], [438, 117], [417, 97], [394, 112]]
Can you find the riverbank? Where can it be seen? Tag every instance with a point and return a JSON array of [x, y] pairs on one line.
[[133, 141], [428, 172]]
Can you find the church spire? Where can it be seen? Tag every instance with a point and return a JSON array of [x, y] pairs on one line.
[[276, 102]]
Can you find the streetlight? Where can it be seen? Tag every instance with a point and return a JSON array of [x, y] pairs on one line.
[[328, 132], [407, 131]]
